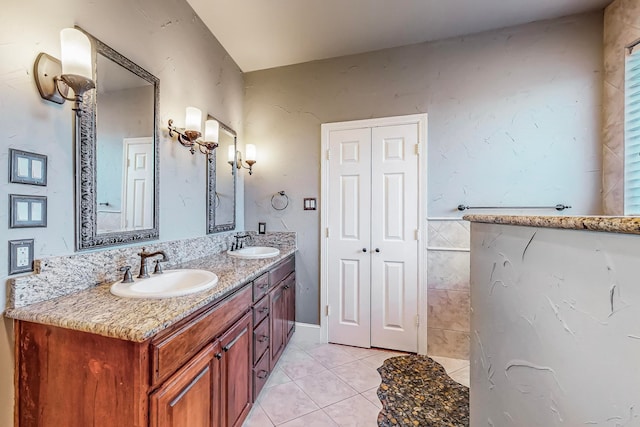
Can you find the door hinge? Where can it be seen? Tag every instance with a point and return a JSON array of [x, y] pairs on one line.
[[328, 310], [418, 149], [327, 232], [417, 320], [328, 154], [417, 236]]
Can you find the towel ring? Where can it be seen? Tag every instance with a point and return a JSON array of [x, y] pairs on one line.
[[283, 198]]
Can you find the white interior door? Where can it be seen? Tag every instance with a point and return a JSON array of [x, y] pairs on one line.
[[137, 209], [394, 237], [372, 247], [349, 237]]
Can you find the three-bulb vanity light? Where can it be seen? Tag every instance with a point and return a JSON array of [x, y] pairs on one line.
[[236, 157], [74, 70], [191, 135]]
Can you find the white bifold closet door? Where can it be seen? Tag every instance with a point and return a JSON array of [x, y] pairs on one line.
[[373, 232]]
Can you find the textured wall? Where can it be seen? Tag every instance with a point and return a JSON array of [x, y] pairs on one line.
[[554, 327], [621, 27], [162, 36], [514, 118]]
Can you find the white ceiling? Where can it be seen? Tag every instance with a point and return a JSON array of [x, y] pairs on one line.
[[262, 34]]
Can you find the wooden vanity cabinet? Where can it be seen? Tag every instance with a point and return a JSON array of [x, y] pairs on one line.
[[196, 373], [188, 397], [204, 371], [236, 364], [274, 319]]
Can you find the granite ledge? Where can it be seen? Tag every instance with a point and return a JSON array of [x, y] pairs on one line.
[[97, 311], [608, 224]]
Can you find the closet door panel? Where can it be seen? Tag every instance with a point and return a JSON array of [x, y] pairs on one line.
[[349, 237], [394, 244]]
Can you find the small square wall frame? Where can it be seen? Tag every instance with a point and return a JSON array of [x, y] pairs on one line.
[[20, 256], [27, 168]]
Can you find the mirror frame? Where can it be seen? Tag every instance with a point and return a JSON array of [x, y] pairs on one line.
[[85, 140], [212, 227]]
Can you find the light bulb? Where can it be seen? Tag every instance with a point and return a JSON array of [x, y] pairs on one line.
[[75, 49], [211, 129], [250, 152], [193, 120]]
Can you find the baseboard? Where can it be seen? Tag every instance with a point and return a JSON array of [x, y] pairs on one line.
[[308, 332]]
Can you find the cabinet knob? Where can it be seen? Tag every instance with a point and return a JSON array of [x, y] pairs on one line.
[[287, 286], [262, 374], [264, 338], [377, 249], [264, 309], [218, 356], [364, 249]]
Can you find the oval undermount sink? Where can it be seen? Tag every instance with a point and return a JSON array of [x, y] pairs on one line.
[[171, 283], [255, 252]]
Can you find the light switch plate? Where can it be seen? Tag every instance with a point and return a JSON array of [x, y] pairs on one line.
[[20, 256]]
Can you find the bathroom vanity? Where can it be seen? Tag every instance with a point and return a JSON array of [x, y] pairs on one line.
[[152, 370]]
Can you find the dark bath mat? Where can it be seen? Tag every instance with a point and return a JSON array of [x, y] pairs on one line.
[[416, 391]]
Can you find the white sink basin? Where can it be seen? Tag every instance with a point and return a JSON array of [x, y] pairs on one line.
[[171, 283], [255, 252]]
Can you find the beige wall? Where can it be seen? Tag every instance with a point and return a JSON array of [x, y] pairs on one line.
[[621, 27], [514, 119], [164, 37]]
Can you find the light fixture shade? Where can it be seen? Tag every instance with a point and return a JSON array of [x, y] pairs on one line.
[[250, 154], [75, 53], [211, 130], [231, 156], [193, 120]]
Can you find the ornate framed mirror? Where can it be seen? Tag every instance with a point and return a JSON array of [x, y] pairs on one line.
[[117, 154], [221, 182]]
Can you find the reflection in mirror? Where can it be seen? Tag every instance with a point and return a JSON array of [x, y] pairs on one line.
[[221, 183], [124, 149], [117, 157]]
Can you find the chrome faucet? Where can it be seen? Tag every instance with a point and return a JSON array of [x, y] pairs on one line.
[[144, 273]]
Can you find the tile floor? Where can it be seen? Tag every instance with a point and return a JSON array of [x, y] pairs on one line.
[[328, 385]]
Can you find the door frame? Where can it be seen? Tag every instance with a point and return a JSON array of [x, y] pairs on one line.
[[326, 128]]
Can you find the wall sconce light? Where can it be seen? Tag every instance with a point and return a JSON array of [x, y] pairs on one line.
[[250, 161], [190, 135], [54, 77]]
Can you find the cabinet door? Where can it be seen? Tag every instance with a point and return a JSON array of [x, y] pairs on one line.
[[190, 397], [236, 371], [278, 318], [290, 303]]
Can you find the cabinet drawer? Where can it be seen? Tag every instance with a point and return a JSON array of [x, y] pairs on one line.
[[260, 375], [282, 270], [260, 339], [260, 287], [260, 311], [171, 351]]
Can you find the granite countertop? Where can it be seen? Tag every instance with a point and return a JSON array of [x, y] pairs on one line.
[[97, 311], [609, 224]]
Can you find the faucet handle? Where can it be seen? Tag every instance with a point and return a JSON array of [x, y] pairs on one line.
[[158, 267], [127, 274]]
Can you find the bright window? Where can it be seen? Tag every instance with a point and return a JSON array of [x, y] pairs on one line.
[[632, 135]]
